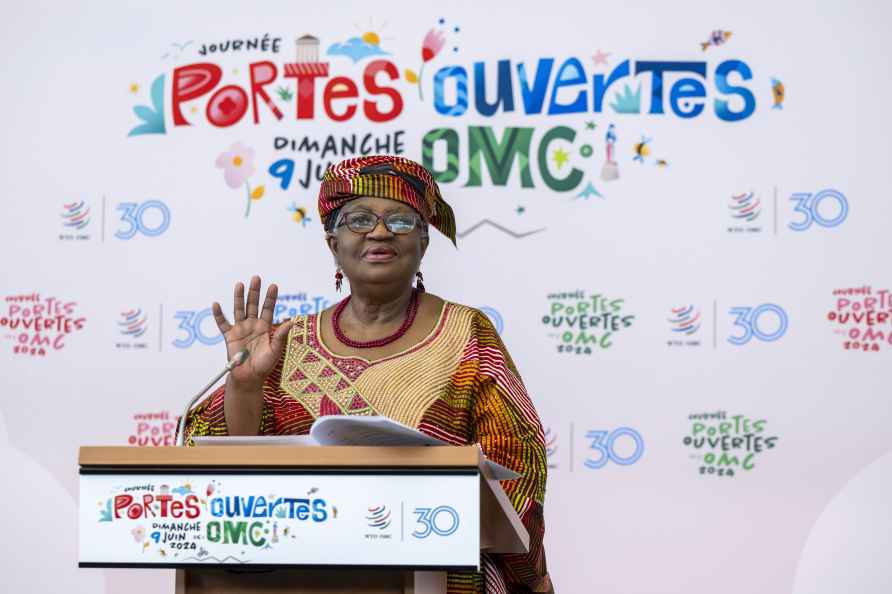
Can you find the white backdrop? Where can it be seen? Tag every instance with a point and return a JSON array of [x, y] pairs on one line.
[[122, 241]]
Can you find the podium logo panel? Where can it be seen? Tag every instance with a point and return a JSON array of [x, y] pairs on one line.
[[279, 519]]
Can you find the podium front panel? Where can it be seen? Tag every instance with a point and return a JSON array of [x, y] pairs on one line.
[[280, 518]]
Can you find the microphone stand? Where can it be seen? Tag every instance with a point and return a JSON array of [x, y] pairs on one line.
[[239, 358]]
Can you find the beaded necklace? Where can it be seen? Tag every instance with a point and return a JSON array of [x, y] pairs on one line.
[[379, 342]]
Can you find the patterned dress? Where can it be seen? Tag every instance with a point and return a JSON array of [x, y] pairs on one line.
[[458, 384]]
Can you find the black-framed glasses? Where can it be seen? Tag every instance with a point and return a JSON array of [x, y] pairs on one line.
[[398, 223]]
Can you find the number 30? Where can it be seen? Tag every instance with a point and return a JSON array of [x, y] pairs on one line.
[[133, 214]]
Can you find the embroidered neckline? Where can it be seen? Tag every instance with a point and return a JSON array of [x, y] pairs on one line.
[[316, 336]]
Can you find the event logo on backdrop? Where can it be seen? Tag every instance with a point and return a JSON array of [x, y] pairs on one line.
[[727, 445], [862, 317], [584, 324], [277, 80], [154, 429], [754, 212], [687, 325], [149, 218], [38, 325]]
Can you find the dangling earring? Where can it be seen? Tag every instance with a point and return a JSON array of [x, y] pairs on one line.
[[419, 283], [339, 279]]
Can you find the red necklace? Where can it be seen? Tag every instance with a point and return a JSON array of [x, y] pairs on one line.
[[410, 317]]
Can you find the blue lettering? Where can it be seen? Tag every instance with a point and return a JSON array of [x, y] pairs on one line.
[[504, 90], [320, 514], [570, 73], [658, 68], [722, 109], [461, 91], [534, 97], [687, 88]]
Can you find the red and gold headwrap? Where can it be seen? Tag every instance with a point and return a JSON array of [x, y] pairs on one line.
[[385, 176]]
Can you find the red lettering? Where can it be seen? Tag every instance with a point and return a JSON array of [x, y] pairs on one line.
[[306, 75], [121, 501], [370, 107], [262, 74], [147, 503], [164, 500], [59, 342], [227, 106], [176, 509], [191, 82], [142, 428], [340, 87], [192, 508], [134, 512]]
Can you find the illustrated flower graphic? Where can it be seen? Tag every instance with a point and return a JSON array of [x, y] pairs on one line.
[[430, 47], [432, 44], [138, 533], [238, 165]]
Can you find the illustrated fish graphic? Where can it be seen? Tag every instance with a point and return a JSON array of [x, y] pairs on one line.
[[716, 38], [777, 91]]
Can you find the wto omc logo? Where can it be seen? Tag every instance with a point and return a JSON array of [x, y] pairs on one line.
[[132, 326], [76, 215], [684, 323], [379, 517], [75, 218], [745, 207], [133, 323], [745, 210]]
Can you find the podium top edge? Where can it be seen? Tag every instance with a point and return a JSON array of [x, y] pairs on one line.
[[281, 457]]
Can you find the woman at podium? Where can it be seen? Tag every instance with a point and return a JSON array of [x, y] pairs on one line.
[[388, 348]]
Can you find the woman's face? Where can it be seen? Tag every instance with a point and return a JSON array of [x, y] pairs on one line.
[[378, 257]]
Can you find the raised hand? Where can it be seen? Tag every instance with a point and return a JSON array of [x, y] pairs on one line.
[[252, 332]]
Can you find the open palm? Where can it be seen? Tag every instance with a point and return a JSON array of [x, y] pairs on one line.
[[252, 333]]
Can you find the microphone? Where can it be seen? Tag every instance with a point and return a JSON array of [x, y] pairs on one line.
[[239, 358]]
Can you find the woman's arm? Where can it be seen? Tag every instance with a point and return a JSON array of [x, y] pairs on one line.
[[507, 427]]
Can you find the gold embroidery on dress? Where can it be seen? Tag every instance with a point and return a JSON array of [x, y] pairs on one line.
[[316, 382], [404, 387]]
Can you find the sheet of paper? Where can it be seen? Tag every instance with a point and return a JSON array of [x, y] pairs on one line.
[[368, 431], [381, 431], [281, 440]]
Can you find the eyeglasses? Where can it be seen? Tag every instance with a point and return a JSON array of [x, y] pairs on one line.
[[398, 223]]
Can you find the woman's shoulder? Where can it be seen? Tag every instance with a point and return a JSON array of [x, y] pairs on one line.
[[476, 317]]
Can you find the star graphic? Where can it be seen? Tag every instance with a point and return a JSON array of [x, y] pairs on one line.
[[134, 88], [590, 125], [600, 58], [560, 157]]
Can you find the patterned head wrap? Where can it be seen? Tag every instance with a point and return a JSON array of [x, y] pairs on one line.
[[385, 176]]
